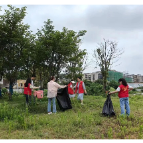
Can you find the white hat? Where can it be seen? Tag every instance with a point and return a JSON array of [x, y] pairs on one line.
[[72, 82]]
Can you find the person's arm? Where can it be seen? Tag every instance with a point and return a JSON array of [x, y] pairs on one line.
[[130, 88], [72, 88], [84, 88], [33, 87], [60, 86], [117, 90]]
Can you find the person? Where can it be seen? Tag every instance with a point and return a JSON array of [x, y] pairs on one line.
[[71, 89], [28, 90], [80, 89], [33, 77], [52, 93], [123, 94]]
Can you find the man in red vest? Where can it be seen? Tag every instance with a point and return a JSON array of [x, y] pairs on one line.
[[71, 90], [80, 89]]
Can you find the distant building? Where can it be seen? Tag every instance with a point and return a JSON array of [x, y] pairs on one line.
[[114, 75], [4, 82], [19, 84], [139, 78], [92, 76], [87, 76]]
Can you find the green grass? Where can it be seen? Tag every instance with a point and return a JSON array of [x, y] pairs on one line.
[[81, 122]]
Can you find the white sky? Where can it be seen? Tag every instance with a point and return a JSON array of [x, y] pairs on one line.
[[122, 23]]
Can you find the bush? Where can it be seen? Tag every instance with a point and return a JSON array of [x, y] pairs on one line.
[[4, 91], [45, 92], [113, 84], [16, 94], [134, 89], [99, 81], [94, 89]]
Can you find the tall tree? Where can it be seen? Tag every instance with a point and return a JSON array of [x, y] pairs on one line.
[[106, 54], [56, 48], [14, 37]]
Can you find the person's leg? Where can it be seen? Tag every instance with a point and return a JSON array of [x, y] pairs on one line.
[[80, 97], [54, 105], [127, 106], [26, 99], [49, 105], [30, 98], [34, 98], [122, 105]]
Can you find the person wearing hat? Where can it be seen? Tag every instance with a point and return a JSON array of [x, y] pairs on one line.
[[71, 89], [80, 89]]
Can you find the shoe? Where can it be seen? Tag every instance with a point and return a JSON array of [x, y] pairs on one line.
[[50, 113], [82, 104]]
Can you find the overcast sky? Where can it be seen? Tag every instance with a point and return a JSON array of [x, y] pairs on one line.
[[123, 24]]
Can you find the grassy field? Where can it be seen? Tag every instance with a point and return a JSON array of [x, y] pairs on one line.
[[81, 122]]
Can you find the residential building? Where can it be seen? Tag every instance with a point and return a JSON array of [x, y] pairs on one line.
[[128, 78], [139, 78], [92, 76], [87, 76], [135, 78], [114, 75], [19, 84]]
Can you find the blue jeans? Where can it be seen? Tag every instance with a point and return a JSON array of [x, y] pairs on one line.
[[80, 96], [54, 104], [124, 104]]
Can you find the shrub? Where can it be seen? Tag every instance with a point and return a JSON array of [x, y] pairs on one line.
[[4, 91], [99, 81], [45, 92], [134, 89], [113, 84], [94, 89]]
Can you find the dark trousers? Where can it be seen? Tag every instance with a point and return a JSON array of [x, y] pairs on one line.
[[29, 97]]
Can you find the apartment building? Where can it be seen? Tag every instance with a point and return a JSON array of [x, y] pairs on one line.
[[92, 76], [87, 76]]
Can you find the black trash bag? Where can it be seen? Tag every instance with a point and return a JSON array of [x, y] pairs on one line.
[[108, 107], [63, 99]]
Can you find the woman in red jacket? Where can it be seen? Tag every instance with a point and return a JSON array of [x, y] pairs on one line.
[[80, 89], [71, 89], [123, 94], [28, 90]]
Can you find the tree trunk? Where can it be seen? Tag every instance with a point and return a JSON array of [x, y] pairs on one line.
[[10, 90]]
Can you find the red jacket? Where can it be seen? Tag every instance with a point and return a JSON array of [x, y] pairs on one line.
[[70, 90], [27, 90], [124, 91], [81, 90]]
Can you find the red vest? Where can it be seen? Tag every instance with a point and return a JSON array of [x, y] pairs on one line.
[[27, 90], [70, 90], [124, 91], [80, 90]]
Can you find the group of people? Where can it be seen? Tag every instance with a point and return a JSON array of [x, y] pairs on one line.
[[53, 87], [79, 89]]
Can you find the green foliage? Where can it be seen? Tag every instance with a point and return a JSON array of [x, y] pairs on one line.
[[113, 84], [94, 89], [99, 81], [14, 41], [134, 89], [71, 124], [45, 92], [4, 91]]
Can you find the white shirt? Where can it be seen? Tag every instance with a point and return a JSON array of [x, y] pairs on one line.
[[118, 89], [32, 83]]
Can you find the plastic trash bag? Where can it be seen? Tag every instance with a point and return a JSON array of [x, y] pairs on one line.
[[108, 107], [63, 99]]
